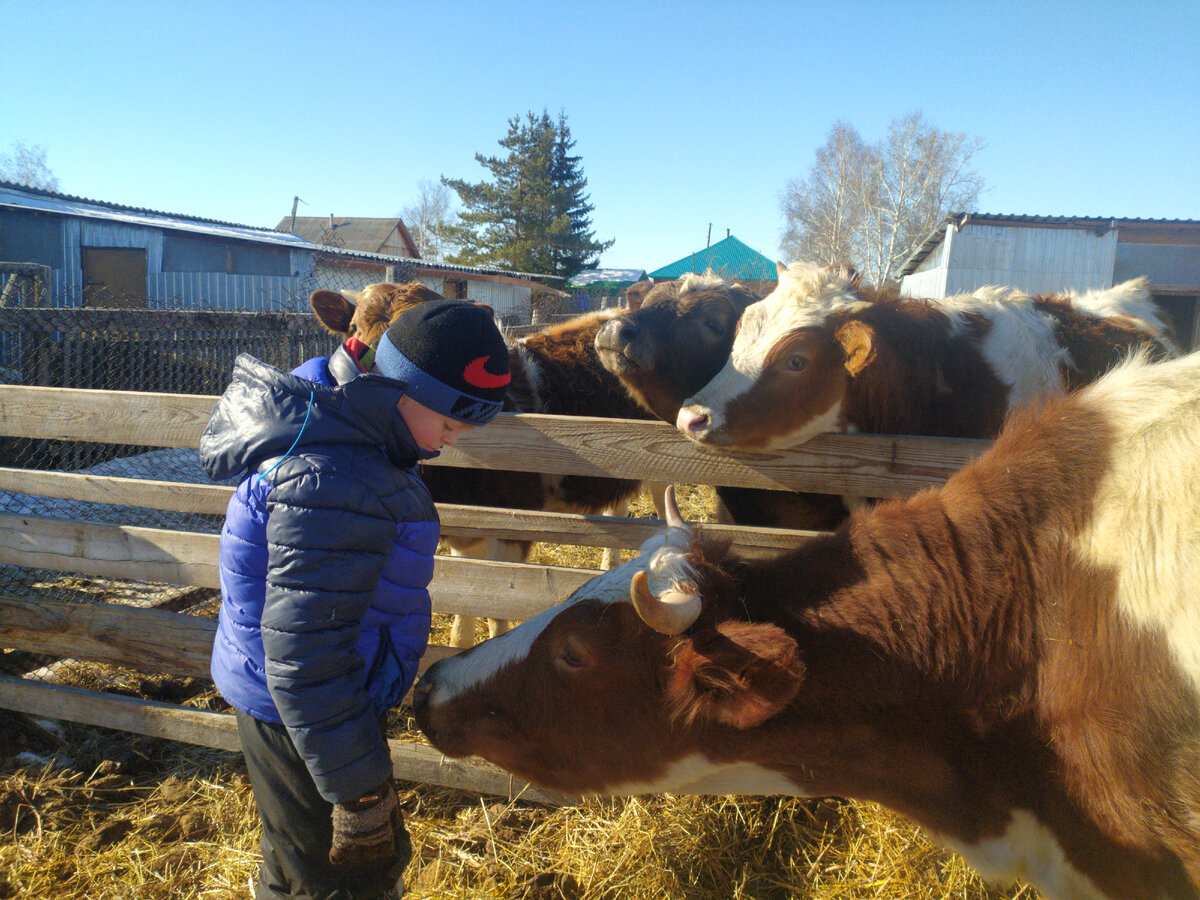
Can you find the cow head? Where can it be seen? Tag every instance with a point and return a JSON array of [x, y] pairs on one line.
[[675, 341], [366, 314], [789, 366], [626, 687]]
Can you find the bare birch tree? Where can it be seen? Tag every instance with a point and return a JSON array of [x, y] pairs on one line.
[[823, 212], [427, 219], [26, 165], [873, 204]]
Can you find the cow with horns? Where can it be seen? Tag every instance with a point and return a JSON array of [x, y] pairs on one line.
[[554, 371], [1012, 659], [818, 354]]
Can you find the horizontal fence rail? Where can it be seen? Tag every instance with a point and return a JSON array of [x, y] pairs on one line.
[[863, 465], [160, 641]]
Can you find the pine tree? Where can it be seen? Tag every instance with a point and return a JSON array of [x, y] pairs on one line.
[[535, 216]]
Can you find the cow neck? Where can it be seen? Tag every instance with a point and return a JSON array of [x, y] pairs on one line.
[[919, 618], [924, 379]]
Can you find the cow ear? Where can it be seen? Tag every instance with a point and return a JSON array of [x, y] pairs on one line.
[[332, 310], [858, 344], [780, 268], [739, 674]]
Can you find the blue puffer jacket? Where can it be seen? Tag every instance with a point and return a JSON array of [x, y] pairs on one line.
[[326, 555]]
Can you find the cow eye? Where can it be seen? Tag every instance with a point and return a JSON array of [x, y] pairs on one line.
[[715, 326], [570, 659], [797, 362]]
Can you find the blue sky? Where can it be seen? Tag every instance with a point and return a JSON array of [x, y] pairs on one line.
[[683, 114]]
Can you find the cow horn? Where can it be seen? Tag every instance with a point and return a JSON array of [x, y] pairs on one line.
[[353, 296], [672, 613], [671, 508]]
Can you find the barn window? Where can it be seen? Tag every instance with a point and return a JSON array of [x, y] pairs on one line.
[[32, 238], [195, 253]]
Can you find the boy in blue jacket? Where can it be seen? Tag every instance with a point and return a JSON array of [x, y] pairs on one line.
[[326, 557]]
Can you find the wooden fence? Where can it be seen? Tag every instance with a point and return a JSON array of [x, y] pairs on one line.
[[159, 641]]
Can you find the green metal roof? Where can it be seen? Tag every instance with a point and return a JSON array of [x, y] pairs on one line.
[[729, 258]]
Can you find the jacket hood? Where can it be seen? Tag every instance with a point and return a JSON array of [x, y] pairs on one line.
[[265, 412]]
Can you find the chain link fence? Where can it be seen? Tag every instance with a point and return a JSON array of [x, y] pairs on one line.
[[49, 341]]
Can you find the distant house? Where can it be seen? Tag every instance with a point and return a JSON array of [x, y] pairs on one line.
[[359, 241], [1055, 253], [97, 253], [730, 258], [388, 237]]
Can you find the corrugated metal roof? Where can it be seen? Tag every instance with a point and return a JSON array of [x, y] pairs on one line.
[[591, 276], [729, 258], [1097, 222], [20, 196], [348, 232], [427, 264], [24, 197]]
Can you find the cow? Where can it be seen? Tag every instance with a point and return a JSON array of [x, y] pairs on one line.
[[816, 356], [366, 314], [1011, 659], [636, 293], [555, 372], [668, 348]]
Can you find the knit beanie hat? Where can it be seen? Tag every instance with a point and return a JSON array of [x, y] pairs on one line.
[[451, 355]]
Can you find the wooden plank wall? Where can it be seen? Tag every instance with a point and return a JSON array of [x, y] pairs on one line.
[[158, 641]]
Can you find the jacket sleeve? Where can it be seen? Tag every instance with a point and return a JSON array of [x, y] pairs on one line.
[[327, 541]]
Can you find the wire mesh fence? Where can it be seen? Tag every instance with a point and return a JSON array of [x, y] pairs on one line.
[[45, 342]]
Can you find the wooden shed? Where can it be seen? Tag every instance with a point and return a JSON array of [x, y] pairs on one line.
[[1059, 253]]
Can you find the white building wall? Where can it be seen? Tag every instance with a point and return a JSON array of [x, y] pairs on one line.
[[1033, 259], [503, 298], [930, 278]]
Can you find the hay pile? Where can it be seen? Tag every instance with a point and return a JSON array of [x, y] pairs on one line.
[[104, 815]]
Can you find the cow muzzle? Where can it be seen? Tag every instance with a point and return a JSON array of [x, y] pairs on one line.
[[620, 347], [699, 422]]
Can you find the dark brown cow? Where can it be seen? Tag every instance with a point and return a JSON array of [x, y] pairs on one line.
[[555, 372], [817, 355], [676, 340], [1012, 660]]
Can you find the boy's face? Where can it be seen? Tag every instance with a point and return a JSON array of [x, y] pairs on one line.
[[430, 429]]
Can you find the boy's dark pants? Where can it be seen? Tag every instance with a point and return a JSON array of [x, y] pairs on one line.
[[297, 827]]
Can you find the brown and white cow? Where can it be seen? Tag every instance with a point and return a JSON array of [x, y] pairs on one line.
[[1012, 660], [555, 372], [672, 345], [816, 356]]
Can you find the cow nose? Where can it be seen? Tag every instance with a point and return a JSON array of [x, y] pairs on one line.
[[693, 420], [616, 333]]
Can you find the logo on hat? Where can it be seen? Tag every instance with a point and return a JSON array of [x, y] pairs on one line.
[[475, 374]]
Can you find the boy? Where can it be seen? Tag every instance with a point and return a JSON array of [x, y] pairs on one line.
[[326, 557]]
